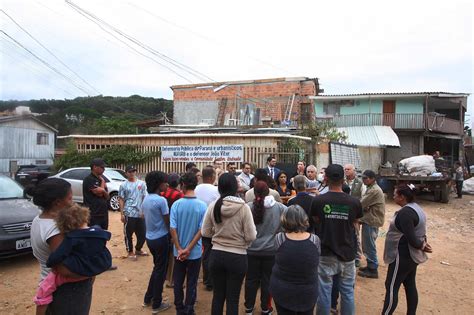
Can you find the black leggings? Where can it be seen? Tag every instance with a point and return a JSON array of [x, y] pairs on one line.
[[402, 270]]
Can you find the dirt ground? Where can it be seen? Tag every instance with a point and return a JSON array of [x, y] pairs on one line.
[[445, 282]]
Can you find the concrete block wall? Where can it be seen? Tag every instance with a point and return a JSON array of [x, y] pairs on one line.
[[194, 111]]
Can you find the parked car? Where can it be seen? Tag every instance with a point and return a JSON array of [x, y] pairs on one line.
[[113, 178], [32, 174], [16, 215]]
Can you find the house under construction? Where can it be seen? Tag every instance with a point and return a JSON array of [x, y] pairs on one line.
[[279, 101]]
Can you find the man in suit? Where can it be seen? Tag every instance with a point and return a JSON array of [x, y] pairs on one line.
[[272, 171]]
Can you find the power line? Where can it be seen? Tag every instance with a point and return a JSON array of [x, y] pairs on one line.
[[34, 70], [49, 51], [251, 98], [160, 55], [205, 37], [151, 50], [79, 87], [129, 46]]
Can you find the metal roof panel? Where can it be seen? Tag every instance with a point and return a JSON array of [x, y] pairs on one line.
[[371, 136]]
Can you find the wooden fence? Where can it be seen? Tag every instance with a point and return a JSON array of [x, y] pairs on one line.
[[257, 147]]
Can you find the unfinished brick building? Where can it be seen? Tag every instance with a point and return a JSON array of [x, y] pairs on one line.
[[280, 101]]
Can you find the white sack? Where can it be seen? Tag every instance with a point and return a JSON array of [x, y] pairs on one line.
[[468, 186], [423, 165]]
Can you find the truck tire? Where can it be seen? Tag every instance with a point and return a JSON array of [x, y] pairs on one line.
[[444, 193]]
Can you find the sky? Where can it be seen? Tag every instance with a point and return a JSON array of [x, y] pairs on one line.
[[127, 47]]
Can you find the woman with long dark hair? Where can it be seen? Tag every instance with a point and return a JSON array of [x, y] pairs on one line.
[[405, 248], [53, 195], [228, 221], [283, 188], [261, 254]]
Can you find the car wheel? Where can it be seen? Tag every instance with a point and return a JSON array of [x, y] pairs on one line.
[[114, 202]]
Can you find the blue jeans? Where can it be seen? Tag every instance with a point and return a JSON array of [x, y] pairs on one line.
[[159, 250], [328, 267], [369, 235], [188, 269]]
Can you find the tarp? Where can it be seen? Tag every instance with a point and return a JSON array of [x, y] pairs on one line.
[[371, 136]]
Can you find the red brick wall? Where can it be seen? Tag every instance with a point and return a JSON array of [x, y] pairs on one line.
[[271, 98]]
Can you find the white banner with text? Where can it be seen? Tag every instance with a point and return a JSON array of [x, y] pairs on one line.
[[203, 153]]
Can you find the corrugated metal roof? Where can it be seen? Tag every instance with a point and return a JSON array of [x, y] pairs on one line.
[[371, 136], [440, 94], [21, 117]]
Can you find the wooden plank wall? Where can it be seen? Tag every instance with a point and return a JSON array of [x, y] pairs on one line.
[[256, 150]]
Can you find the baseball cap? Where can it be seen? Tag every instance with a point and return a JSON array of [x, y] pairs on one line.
[[98, 162], [369, 174], [335, 172], [130, 168]]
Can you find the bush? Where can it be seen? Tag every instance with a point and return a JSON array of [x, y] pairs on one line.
[[114, 156]]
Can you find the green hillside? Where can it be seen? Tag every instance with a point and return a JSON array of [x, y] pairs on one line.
[[97, 114]]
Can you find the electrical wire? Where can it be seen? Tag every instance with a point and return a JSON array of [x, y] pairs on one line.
[[33, 70], [205, 37], [131, 47], [79, 87], [151, 50], [50, 52]]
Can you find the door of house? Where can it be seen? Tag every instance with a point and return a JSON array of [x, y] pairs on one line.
[[389, 113]]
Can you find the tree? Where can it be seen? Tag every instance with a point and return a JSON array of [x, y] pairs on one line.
[[96, 114], [319, 131]]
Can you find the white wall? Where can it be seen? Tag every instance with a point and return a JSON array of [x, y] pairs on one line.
[[18, 142]]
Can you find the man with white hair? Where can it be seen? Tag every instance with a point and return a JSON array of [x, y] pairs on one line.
[[313, 183], [352, 181]]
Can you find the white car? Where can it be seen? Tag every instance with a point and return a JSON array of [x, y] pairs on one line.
[[113, 178]]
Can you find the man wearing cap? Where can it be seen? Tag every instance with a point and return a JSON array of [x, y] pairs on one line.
[[373, 204], [335, 214], [96, 196], [131, 194]]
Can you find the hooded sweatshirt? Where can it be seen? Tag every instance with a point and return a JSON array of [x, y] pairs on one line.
[[264, 245], [236, 231]]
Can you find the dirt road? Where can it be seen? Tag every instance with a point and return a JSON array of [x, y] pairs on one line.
[[445, 282]]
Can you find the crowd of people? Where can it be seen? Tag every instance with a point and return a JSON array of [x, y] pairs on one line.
[[298, 238]]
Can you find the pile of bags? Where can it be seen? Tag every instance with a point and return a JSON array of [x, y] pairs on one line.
[[468, 186], [422, 165]]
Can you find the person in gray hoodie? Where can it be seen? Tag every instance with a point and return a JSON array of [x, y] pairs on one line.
[[261, 253], [228, 221]]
